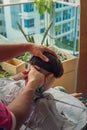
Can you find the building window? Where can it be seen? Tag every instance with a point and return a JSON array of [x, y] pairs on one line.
[[58, 17], [58, 5], [68, 26], [66, 14], [28, 7], [3, 33], [0, 22], [29, 23], [65, 29], [42, 30], [1, 10], [41, 17]]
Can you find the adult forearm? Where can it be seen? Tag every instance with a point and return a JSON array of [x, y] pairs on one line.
[[13, 50], [20, 107]]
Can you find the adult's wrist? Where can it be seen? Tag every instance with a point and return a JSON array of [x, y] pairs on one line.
[[28, 47], [29, 88], [32, 85]]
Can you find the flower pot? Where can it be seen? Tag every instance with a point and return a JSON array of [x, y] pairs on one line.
[[69, 78], [13, 66]]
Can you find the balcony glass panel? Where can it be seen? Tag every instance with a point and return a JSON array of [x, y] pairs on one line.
[[64, 32]]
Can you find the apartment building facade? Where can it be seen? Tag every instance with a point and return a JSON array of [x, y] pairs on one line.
[[65, 17]]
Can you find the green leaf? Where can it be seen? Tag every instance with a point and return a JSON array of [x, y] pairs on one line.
[[57, 29], [2, 76], [43, 5]]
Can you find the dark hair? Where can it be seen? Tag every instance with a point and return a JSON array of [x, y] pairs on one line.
[[54, 65]]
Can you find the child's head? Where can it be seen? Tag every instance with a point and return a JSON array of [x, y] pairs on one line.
[[53, 66]]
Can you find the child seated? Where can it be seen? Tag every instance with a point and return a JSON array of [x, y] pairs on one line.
[[52, 109], [16, 83]]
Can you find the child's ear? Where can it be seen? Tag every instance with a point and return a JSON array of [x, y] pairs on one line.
[[48, 81]]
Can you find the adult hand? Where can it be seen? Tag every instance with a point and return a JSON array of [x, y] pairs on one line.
[[77, 95], [35, 78], [8, 51], [37, 50]]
